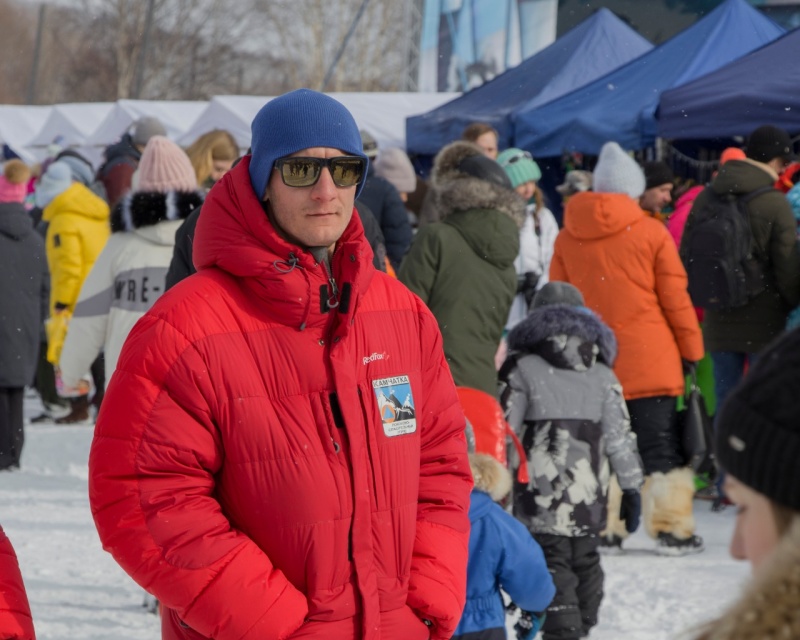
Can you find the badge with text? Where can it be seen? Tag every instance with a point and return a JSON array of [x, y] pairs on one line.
[[396, 405]]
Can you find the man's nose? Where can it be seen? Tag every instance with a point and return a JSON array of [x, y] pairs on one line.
[[325, 189]]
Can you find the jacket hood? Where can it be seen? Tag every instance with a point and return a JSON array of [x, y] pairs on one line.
[[590, 215], [122, 148], [771, 606], [15, 223], [459, 191], [234, 234], [489, 476], [77, 200], [743, 176], [567, 336], [688, 196], [148, 208]]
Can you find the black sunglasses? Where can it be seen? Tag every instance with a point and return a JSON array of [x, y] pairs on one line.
[[301, 171], [517, 157]]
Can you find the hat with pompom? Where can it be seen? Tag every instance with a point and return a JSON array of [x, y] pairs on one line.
[[13, 182], [618, 172]]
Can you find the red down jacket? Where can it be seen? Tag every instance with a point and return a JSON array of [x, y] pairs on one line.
[[268, 469], [15, 612]]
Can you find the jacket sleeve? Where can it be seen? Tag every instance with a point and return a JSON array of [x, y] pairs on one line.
[[558, 271], [673, 297], [620, 441], [438, 580], [523, 571], [66, 264], [514, 400], [15, 612], [44, 293], [783, 251], [421, 264], [152, 469], [88, 326]]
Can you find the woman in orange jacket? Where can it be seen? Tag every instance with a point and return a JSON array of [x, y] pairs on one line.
[[628, 269]]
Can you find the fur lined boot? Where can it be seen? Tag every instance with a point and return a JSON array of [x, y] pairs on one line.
[[667, 512]]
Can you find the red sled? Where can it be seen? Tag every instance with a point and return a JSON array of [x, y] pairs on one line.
[[491, 428]]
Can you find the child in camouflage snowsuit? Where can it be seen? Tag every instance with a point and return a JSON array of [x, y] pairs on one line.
[[565, 403]]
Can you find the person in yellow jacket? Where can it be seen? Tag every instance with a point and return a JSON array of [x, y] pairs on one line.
[[78, 228]]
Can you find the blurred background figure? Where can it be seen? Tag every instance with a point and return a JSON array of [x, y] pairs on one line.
[[129, 274], [77, 231], [212, 155], [24, 295], [385, 203], [122, 158], [484, 136], [657, 194], [394, 165], [537, 235], [576, 181]]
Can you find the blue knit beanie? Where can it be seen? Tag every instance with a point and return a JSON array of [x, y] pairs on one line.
[[300, 120]]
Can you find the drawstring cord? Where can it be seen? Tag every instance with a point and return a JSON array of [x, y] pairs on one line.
[[291, 263]]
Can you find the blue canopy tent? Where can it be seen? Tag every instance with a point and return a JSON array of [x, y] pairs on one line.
[[760, 88], [621, 105], [596, 46]]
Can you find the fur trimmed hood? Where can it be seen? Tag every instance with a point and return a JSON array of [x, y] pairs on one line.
[[547, 322], [148, 208], [490, 476], [458, 191], [770, 608]]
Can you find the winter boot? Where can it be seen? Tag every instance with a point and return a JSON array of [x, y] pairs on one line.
[[669, 545], [667, 508], [79, 411]]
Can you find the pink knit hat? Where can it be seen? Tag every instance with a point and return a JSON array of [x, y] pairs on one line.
[[14, 181], [165, 167]]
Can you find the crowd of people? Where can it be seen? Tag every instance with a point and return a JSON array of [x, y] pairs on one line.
[[273, 347]]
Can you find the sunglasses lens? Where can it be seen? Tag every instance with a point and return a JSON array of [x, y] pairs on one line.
[[347, 172], [300, 172]]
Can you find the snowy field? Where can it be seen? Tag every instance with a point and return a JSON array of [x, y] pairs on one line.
[[77, 591]]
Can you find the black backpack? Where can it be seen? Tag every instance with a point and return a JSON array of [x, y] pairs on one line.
[[718, 253]]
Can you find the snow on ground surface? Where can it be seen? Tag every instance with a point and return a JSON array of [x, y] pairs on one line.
[[77, 591]]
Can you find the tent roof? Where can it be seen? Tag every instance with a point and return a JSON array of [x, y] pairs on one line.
[[721, 105], [621, 105], [593, 48], [176, 116], [382, 114], [18, 124], [73, 121]]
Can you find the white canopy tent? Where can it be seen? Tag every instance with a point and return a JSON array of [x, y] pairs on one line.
[[73, 122], [382, 114], [18, 124]]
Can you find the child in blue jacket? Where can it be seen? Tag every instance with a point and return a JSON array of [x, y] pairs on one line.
[[502, 555]]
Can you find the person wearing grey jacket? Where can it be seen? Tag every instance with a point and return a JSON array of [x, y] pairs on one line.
[[562, 398]]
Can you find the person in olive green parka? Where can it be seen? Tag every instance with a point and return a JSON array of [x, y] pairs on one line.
[[463, 266]]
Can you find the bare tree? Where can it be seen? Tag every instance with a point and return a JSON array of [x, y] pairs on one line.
[[16, 50]]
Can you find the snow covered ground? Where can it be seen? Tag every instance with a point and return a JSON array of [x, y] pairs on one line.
[[77, 591]]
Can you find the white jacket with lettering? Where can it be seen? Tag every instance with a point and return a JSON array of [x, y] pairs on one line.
[[125, 281]]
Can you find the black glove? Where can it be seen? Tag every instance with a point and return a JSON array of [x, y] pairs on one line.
[[528, 625], [526, 285], [689, 367], [630, 509]]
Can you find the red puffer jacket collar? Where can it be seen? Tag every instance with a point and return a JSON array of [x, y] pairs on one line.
[[234, 234]]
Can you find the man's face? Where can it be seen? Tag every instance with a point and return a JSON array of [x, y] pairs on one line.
[[657, 198], [756, 533], [314, 216], [488, 144]]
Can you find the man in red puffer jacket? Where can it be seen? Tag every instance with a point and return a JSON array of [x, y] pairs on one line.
[[281, 452]]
